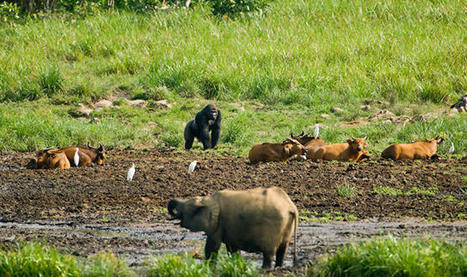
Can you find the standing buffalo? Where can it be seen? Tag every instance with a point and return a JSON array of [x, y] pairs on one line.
[[208, 119], [258, 220]]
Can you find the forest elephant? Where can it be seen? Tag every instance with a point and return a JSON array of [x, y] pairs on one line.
[[207, 120], [259, 220]]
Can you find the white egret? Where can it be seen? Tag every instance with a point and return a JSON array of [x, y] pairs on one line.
[[76, 157], [316, 132], [131, 172], [451, 149], [192, 166]]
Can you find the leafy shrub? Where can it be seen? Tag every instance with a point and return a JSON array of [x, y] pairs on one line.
[[9, 11], [238, 7]]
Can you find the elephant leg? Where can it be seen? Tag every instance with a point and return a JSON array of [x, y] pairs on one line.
[[267, 260], [212, 246], [231, 249], [280, 254]]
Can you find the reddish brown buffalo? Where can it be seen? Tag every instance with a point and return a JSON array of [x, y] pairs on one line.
[[49, 159], [425, 149], [276, 152], [86, 155], [352, 150]]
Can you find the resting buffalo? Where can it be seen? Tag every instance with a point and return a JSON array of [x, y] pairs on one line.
[[425, 149], [49, 159], [276, 152], [308, 141], [86, 155], [350, 151], [259, 220]]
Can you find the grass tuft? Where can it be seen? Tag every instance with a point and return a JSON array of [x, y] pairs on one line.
[[395, 257], [346, 191], [173, 265], [35, 259]]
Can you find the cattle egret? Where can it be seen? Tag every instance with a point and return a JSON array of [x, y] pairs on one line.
[[131, 172], [192, 166], [451, 149], [316, 132], [76, 157]]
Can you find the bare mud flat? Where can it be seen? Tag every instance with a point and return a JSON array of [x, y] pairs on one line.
[[86, 210]]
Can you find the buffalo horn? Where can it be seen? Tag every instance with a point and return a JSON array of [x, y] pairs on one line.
[[364, 138]]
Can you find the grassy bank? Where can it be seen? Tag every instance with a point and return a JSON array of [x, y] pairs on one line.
[[307, 52], [271, 74], [39, 124]]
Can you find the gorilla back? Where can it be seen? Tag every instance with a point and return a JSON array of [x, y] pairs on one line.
[[207, 120]]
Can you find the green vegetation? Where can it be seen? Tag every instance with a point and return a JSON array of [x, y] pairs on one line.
[[36, 259], [395, 257], [387, 190], [226, 265], [270, 74], [346, 191], [313, 216]]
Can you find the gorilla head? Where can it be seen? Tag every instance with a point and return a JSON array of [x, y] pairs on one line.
[[208, 119], [212, 113]]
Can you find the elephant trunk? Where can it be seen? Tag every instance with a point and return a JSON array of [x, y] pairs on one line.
[[172, 209]]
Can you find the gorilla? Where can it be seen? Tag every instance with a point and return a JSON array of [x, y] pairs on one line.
[[208, 119]]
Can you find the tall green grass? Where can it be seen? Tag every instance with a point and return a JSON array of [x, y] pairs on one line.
[[34, 259], [225, 266], [313, 53], [395, 257]]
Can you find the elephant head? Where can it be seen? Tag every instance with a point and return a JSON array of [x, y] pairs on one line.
[[197, 214]]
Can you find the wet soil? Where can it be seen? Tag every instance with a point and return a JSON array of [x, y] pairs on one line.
[[85, 210]]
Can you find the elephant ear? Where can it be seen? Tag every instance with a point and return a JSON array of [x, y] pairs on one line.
[[213, 207]]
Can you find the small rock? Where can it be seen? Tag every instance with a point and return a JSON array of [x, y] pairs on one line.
[[151, 124], [85, 110], [336, 110], [138, 103], [365, 107], [164, 104], [325, 116], [103, 104], [95, 121]]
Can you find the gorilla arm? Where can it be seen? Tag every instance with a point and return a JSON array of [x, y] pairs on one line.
[[216, 129]]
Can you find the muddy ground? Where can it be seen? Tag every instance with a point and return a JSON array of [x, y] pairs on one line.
[[84, 210]]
